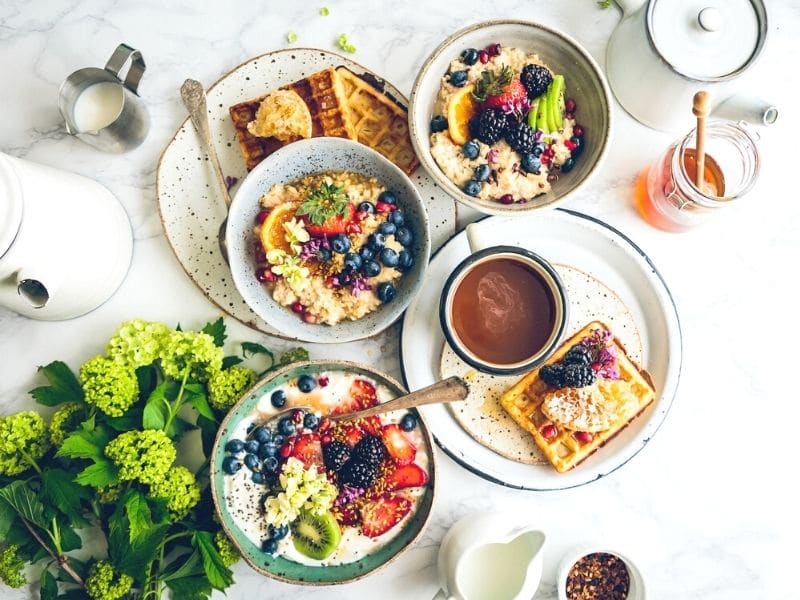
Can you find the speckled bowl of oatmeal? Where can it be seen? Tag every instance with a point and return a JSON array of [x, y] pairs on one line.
[[328, 241], [510, 116]]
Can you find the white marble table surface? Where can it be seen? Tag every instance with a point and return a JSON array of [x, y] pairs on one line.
[[709, 508]]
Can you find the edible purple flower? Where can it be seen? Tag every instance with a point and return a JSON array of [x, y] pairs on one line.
[[603, 354], [312, 247], [491, 156], [347, 495], [230, 182], [358, 284]]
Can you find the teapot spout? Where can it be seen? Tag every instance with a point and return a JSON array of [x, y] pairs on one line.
[[750, 109], [31, 288], [629, 7]]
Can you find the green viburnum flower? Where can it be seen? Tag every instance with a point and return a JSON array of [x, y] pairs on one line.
[[109, 385], [64, 421], [11, 565], [137, 342], [144, 456], [226, 387], [303, 489], [227, 551], [108, 494], [192, 350], [179, 488], [23, 440], [105, 583]]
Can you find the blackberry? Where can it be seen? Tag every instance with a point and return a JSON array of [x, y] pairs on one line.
[[335, 455], [578, 355], [576, 376], [370, 449], [536, 80], [553, 375], [489, 125], [358, 474], [521, 138]]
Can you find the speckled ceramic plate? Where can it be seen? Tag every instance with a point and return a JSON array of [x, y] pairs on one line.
[[596, 260], [281, 568], [189, 202]]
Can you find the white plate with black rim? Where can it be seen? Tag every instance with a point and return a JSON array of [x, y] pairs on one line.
[[616, 283], [188, 199]]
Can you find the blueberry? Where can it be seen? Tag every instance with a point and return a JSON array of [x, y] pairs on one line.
[[538, 149], [458, 78], [376, 241], [279, 440], [230, 464], [387, 228], [311, 421], [271, 464], [472, 188], [482, 172], [340, 243], [389, 257], [353, 259], [438, 123], [262, 435], [324, 254], [270, 546], [408, 422], [469, 56], [406, 260], [531, 163], [367, 207], [567, 166], [251, 427], [396, 217], [371, 268], [278, 398], [278, 533], [404, 236], [366, 252], [286, 426], [250, 461], [234, 446], [387, 197], [251, 447], [267, 450], [386, 292], [306, 383], [470, 150], [258, 478]]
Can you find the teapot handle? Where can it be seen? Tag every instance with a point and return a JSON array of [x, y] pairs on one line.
[[629, 7], [442, 595]]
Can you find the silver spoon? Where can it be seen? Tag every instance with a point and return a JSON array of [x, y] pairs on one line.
[[194, 99]]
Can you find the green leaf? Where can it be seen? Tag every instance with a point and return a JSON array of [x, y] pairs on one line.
[[147, 376], [230, 361], [132, 419], [138, 513], [133, 557], [7, 517], [69, 539], [48, 587], [86, 442], [189, 588], [101, 473], [216, 330], [293, 355], [60, 490], [251, 348], [156, 411], [64, 386], [74, 594], [189, 567], [219, 576], [208, 433], [23, 500], [195, 395]]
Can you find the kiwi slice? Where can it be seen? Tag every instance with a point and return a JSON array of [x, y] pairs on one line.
[[541, 114], [555, 103], [315, 536], [532, 114]]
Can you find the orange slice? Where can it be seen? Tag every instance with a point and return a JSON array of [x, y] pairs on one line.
[[273, 235], [461, 109]]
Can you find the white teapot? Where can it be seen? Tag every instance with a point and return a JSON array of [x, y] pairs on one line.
[[65, 241], [664, 51]]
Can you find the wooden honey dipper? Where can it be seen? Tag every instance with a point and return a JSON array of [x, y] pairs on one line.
[[700, 110]]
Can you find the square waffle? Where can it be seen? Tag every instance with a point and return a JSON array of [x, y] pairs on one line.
[[379, 121], [324, 95], [523, 402]]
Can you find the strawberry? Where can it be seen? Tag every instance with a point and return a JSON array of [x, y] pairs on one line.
[[308, 449], [383, 513], [352, 435], [327, 210], [502, 90], [399, 446], [336, 224], [347, 515], [407, 476], [371, 425], [362, 395]]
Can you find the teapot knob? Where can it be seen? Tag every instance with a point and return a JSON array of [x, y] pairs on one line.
[[710, 19]]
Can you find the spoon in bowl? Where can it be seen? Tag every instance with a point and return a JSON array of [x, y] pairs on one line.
[[194, 99]]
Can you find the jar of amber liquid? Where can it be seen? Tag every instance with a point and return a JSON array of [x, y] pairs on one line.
[[666, 193]]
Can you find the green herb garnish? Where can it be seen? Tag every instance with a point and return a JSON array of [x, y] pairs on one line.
[[323, 203], [344, 44], [604, 3], [492, 84], [291, 37], [324, 11]]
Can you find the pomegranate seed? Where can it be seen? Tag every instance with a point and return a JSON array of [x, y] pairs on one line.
[[549, 431], [384, 208], [286, 450], [596, 366], [494, 49], [483, 56], [545, 159], [297, 308], [551, 177], [582, 437], [569, 115], [353, 228], [262, 216], [360, 215], [332, 281], [577, 131], [570, 105], [297, 415], [326, 439], [570, 145], [265, 275], [507, 199], [261, 257], [323, 381], [325, 424], [309, 318], [549, 151]]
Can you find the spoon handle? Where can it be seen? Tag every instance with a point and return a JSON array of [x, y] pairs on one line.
[[451, 389], [194, 99]]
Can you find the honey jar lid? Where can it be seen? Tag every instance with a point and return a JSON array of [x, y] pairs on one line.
[[10, 204]]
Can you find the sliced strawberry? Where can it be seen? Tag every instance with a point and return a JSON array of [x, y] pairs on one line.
[[407, 476], [371, 425], [383, 513], [308, 449], [362, 395], [352, 435], [512, 95], [335, 225], [347, 515], [399, 446]]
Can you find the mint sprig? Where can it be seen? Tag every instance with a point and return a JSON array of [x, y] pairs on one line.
[[323, 203]]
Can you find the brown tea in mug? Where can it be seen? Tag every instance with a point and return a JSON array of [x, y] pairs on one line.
[[503, 311]]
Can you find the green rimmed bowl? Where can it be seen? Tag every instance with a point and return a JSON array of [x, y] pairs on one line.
[[281, 568]]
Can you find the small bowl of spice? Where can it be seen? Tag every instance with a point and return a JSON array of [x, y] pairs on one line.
[[597, 573]]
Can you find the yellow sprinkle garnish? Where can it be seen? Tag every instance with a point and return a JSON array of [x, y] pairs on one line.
[[344, 44], [324, 11], [291, 37]]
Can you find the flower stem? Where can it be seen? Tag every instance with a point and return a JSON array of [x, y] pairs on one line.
[[176, 406], [29, 459], [61, 559]]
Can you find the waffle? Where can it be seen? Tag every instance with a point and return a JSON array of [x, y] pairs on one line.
[[323, 92], [631, 394], [379, 121]]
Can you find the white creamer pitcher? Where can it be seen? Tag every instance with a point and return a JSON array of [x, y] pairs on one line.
[[65, 241], [486, 556]]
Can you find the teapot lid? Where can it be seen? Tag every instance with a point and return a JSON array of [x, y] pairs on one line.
[[10, 204], [707, 40]]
